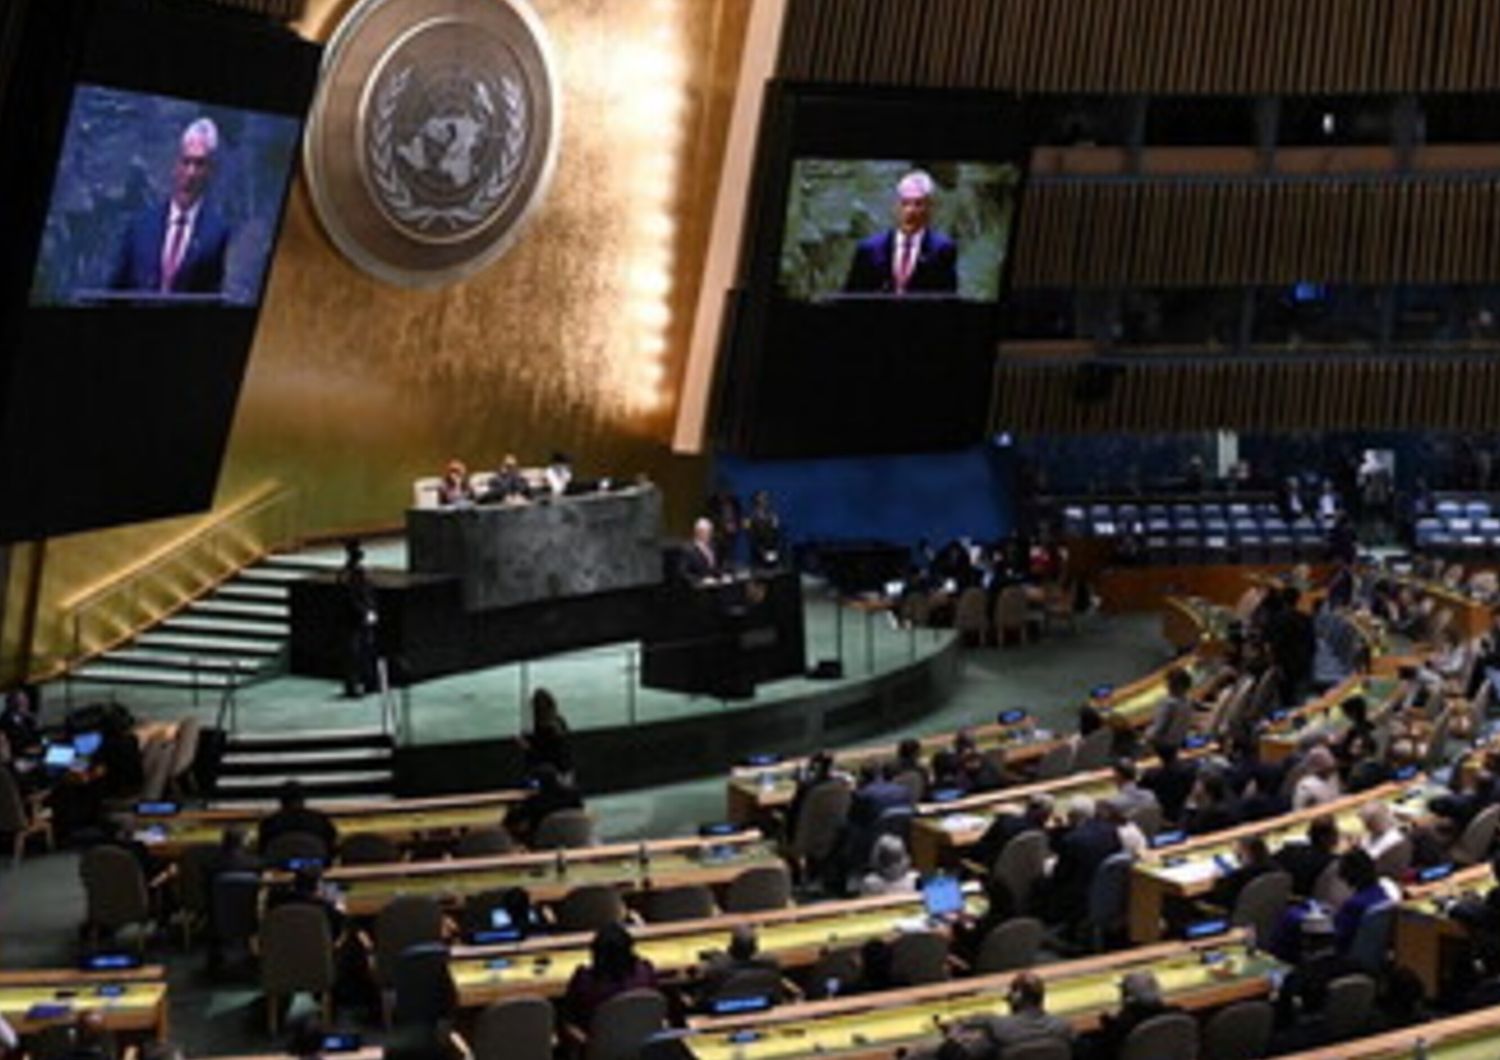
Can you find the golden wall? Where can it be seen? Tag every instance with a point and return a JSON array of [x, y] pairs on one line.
[[574, 340]]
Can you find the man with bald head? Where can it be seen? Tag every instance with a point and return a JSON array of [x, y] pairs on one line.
[[911, 258], [178, 246]]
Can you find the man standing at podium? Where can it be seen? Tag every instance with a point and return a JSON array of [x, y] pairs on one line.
[[911, 258], [700, 560]]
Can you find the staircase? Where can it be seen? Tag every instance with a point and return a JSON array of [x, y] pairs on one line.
[[330, 765], [235, 635]]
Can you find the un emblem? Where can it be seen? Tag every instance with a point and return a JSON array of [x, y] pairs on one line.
[[433, 135]]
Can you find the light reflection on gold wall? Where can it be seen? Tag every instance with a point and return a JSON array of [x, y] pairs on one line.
[[574, 340]]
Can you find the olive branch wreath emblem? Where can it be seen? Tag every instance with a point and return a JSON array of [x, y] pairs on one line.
[[397, 194]]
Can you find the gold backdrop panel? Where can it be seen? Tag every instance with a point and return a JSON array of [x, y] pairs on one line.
[[574, 340]]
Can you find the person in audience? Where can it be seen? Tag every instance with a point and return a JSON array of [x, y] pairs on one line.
[[89, 1038], [294, 815], [1212, 806], [1319, 784], [1133, 840], [890, 868], [1304, 992], [1082, 847], [742, 955], [1171, 781], [1174, 714], [1307, 860], [1292, 642], [613, 968], [1140, 1000], [979, 773], [1252, 859], [947, 774], [1368, 891], [232, 855], [818, 771], [876, 971], [1028, 1021], [1358, 740], [1381, 830], [1129, 793], [1036, 815], [1261, 796], [454, 488], [550, 740], [763, 528], [908, 763], [552, 793], [19, 723]]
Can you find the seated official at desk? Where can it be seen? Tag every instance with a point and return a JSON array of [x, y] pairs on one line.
[[508, 483], [559, 474], [455, 488], [700, 560]]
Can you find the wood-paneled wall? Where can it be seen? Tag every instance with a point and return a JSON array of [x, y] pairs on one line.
[[1162, 46], [1166, 233], [1405, 393]]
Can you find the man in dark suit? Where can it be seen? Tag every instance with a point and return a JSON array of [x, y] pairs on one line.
[[295, 815], [910, 258], [700, 560], [178, 246], [1081, 849]]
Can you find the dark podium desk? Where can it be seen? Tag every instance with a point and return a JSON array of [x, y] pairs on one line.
[[723, 640], [507, 555]]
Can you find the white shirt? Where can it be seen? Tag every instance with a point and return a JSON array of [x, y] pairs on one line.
[[558, 477], [1313, 790], [1378, 845], [189, 219]]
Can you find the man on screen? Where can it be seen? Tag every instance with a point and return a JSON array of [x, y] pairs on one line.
[[178, 246], [910, 258]]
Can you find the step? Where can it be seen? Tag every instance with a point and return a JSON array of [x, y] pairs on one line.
[[216, 605], [303, 564], [253, 592], [235, 627], [264, 806], [208, 645], [103, 673], [180, 660], [313, 782], [278, 575], [309, 740], [238, 758]]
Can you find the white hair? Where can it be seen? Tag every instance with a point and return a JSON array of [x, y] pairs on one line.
[[205, 130], [1080, 807], [703, 524], [919, 181]]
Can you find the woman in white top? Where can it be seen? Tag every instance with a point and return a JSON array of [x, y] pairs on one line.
[[890, 869], [1320, 780], [1381, 830]]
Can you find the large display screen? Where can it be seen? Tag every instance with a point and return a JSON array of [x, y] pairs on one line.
[[163, 201], [897, 228]]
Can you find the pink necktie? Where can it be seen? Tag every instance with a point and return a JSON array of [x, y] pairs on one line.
[[174, 252], [905, 264]]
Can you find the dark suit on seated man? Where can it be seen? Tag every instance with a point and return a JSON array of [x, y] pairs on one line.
[[911, 258], [700, 560], [178, 246], [508, 483], [295, 816]]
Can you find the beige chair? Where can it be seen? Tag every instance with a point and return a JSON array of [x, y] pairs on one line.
[[156, 770], [1241, 1031], [834, 971], [623, 1024], [1020, 866], [1010, 945], [820, 819], [1146, 817], [296, 954], [116, 891], [564, 829], [1395, 859], [1012, 614], [1261, 903], [1092, 752], [518, 1029], [1173, 1036], [368, 848], [1056, 762], [919, 957], [691, 901], [1478, 837], [1351, 1000], [484, 842], [969, 618], [184, 754], [759, 888], [589, 907], [19, 820], [424, 492], [404, 921]]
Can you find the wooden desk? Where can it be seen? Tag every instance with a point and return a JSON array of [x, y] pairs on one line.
[[1471, 1036], [1190, 622], [140, 1009], [1424, 931], [1188, 870], [795, 937], [548, 876], [1471, 618], [755, 791], [401, 820], [1322, 714], [875, 1025], [1132, 706]]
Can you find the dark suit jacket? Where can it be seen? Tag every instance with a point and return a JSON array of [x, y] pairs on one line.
[[306, 820], [935, 272], [201, 271], [696, 566]]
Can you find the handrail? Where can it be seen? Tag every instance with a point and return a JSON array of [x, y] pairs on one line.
[[79, 607]]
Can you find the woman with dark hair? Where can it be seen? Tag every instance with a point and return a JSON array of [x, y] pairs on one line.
[[613, 968], [1357, 870], [550, 741]]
